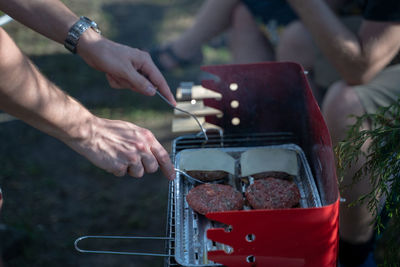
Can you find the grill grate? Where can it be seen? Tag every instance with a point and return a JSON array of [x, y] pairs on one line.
[[215, 140], [170, 244], [232, 140]]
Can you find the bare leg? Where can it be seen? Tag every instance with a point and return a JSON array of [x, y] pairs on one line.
[[355, 222], [247, 42], [296, 44], [213, 18]]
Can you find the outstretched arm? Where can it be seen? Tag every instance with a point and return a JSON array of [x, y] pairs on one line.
[[125, 67], [116, 146], [357, 57]]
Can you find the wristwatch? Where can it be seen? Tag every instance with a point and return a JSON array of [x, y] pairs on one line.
[[77, 30]]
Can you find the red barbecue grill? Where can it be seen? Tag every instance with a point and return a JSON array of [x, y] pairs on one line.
[[274, 109]]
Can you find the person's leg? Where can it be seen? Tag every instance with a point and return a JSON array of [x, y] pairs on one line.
[[296, 45], [341, 101], [213, 18], [248, 44], [356, 228]]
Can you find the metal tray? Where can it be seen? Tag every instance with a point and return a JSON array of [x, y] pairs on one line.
[[191, 242]]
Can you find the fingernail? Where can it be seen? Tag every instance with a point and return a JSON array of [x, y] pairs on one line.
[[150, 90]]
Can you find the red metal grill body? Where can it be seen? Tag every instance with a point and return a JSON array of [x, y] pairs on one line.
[[276, 97]]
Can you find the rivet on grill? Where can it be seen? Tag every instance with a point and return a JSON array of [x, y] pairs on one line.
[[234, 104], [250, 237], [251, 258], [235, 121], [233, 86]]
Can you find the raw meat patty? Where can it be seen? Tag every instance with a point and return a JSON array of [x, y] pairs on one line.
[[272, 193], [208, 176], [281, 175], [207, 198]]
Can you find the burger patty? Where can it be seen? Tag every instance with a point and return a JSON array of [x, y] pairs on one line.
[[281, 175], [207, 198], [272, 193], [208, 176]]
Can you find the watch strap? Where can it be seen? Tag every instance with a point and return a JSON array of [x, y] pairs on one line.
[[75, 32]]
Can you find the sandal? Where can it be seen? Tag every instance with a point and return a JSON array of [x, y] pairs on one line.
[[179, 62]]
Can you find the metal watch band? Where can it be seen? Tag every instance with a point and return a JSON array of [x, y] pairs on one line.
[[77, 30]]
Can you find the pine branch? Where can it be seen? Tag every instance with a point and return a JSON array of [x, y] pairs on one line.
[[382, 166]]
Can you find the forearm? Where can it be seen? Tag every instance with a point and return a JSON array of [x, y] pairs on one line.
[[124, 66], [28, 95], [50, 18], [341, 47], [116, 146]]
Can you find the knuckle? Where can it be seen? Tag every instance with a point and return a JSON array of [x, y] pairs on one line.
[[142, 55], [146, 55], [164, 159], [134, 159], [136, 51], [152, 168], [119, 170], [137, 174], [141, 147], [149, 136]]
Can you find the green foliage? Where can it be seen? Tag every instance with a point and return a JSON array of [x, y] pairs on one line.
[[382, 166]]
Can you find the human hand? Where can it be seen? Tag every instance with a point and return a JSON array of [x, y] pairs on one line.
[[125, 67], [121, 148]]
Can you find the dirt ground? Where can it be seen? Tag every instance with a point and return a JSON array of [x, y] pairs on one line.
[[52, 195]]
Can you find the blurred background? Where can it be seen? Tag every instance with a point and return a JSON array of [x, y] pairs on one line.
[[51, 194]]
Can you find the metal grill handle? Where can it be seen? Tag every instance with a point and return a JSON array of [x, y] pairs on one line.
[[119, 252]]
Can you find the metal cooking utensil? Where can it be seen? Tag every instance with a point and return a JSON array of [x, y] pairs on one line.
[[186, 112], [190, 178], [119, 252]]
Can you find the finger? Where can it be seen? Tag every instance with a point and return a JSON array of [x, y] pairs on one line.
[[119, 170], [149, 163], [117, 83], [112, 81], [153, 73], [136, 170], [139, 83], [164, 161]]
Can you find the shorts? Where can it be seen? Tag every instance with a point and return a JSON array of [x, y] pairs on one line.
[[271, 10], [381, 91]]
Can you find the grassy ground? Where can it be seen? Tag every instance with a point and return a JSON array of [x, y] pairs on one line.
[[52, 194]]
